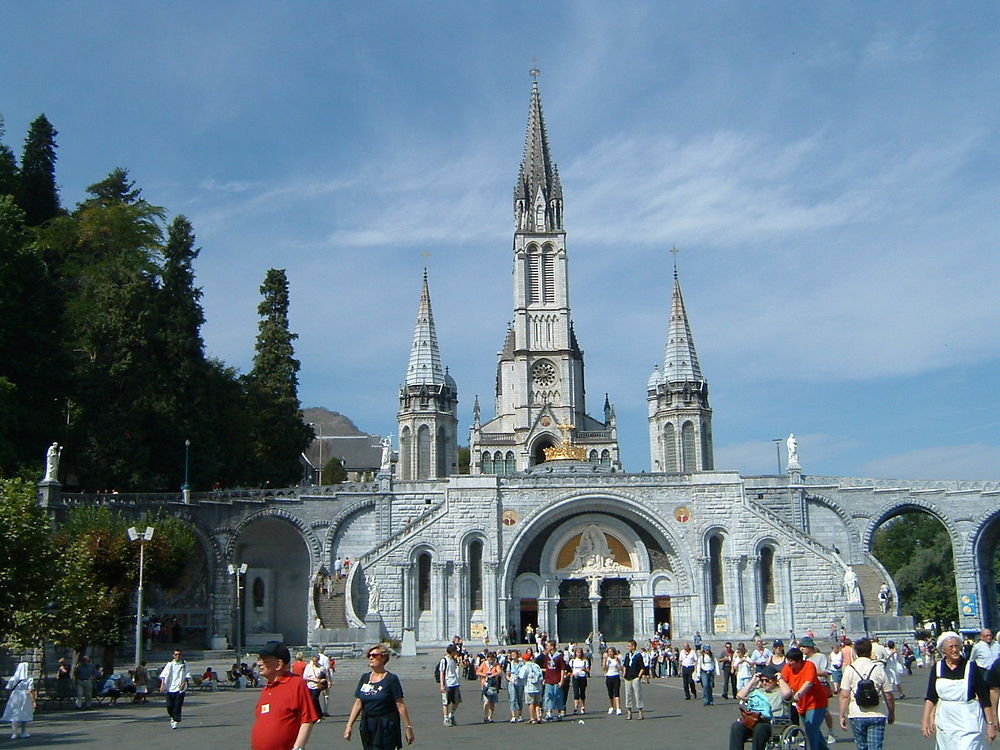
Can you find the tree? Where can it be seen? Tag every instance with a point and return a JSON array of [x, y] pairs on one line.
[[38, 192], [279, 436], [25, 563], [334, 472], [9, 178], [916, 550]]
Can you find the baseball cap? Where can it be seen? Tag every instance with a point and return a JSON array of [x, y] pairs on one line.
[[769, 671], [807, 642], [778, 642], [277, 649]]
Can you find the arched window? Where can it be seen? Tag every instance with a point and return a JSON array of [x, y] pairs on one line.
[[258, 593], [442, 453], [405, 449], [706, 447], [767, 574], [498, 465], [423, 452], [548, 275], [424, 582], [672, 466], [605, 457], [592, 457], [476, 575], [715, 564], [688, 448], [533, 276], [510, 462], [487, 467]]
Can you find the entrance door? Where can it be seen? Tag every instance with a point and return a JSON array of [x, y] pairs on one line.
[[529, 616], [614, 615], [573, 611], [661, 613]]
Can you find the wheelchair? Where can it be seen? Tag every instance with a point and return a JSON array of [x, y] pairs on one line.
[[787, 736]]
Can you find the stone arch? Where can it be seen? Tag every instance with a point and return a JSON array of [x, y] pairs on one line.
[[900, 506], [405, 451], [854, 550], [983, 540], [538, 445], [339, 520], [308, 536]]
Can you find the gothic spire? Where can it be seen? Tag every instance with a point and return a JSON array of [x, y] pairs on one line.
[[425, 357], [538, 195], [680, 361]]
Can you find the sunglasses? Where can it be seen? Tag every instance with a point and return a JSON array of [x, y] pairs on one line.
[[374, 655]]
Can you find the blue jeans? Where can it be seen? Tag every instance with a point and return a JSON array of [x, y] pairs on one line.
[[515, 693], [707, 683], [869, 732], [553, 700], [812, 725]]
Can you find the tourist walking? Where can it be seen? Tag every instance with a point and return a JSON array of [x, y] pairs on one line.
[[489, 673], [174, 679], [533, 678], [378, 700], [612, 665], [555, 670], [726, 670], [811, 698], [868, 721], [633, 668], [315, 677], [688, 658], [515, 685], [85, 673], [705, 670], [21, 703], [285, 712], [449, 681], [579, 667]]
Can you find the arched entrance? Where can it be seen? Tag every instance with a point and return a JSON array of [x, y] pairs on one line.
[[615, 615], [573, 611], [538, 451], [987, 550], [277, 585], [915, 548]]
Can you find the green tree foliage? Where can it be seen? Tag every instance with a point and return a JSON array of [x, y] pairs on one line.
[[464, 458], [25, 563], [9, 178], [334, 472], [98, 570], [279, 435], [39, 195], [916, 550]]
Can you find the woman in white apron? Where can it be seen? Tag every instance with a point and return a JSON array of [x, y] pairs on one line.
[[20, 709], [957, 697]]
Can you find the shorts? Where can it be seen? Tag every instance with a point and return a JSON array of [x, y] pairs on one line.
[[532, 699], [451, 695]]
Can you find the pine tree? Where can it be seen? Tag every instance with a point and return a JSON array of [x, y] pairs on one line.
[[39, 195], [280, 435], [9, 179]]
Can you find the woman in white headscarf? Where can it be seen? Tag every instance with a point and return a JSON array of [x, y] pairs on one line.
[[21, 705], [957, 697]]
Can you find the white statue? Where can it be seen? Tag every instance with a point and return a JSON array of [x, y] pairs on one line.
[[851, 586], [52, 463], [793, 452], [592, 549], [386, 453], [374, 594], [595, 587]]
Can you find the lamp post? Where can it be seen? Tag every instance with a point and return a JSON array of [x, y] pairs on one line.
[[186, 487], [777, 450], [320, 428], [238, 571], [142, 537]]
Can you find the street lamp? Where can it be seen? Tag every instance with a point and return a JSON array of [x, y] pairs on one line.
[[777, 450], [238, 571], [186, 487], [141, 537]]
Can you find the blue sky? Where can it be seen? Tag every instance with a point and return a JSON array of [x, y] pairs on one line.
[[828, 170]]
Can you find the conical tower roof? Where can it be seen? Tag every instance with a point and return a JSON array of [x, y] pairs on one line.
[[538, 173], [425, 357], [680, 360]]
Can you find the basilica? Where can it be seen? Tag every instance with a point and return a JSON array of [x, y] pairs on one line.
[[547, 530]]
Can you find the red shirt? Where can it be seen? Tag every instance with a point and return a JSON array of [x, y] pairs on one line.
[[816, 696], [553, 667], [284, 706], [298, 667]]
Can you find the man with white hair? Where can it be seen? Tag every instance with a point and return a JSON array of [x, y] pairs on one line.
[[986, 651]]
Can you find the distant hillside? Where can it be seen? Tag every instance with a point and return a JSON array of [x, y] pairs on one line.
[[332, 422]]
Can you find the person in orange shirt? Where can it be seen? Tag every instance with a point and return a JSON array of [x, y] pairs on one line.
[[489, 672], [299, 665], [811, 698]]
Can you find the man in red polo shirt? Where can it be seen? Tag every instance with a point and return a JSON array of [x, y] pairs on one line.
[[285, 712]]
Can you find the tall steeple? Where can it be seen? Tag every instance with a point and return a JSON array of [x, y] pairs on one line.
[[428, 404], [540, 382], [680, 418], [425, 357], [538, 194]]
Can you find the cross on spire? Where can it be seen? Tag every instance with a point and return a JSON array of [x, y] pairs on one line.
[[674, 250]]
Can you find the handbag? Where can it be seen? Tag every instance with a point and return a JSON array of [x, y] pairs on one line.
[[750, 719]]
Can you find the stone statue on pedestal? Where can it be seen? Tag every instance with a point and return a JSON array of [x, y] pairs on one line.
[[793, 452], [52, 463], [386, 454], [851, 586]]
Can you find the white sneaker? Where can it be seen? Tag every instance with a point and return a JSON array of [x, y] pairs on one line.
[[611, 711], [619, 712], [830, 739], [173, 724]]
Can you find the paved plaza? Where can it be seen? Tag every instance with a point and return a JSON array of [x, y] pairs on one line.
[[222, 720]]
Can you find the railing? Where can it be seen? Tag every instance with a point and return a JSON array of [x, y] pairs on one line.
[[496, 438], [798, 534], [422, 520]]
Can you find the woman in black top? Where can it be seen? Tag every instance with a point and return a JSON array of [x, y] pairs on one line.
[[379, 700]]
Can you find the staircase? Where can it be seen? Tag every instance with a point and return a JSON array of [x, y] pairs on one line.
[[331, 608], [869, 581]]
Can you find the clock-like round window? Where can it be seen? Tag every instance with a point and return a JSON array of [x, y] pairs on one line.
[[544, 374]]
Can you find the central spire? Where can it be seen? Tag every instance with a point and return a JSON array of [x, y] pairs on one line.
[[680, 361], [538, 195], [425, 358]]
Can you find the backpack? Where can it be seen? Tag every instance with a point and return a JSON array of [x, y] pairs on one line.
[[437, 672], [865, 692]]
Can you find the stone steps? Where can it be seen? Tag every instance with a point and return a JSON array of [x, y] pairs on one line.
[[869, 581], [331, 608]]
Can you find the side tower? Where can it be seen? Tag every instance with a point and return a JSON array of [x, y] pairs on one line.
[[540, 381], [428, 403], [680, 419]]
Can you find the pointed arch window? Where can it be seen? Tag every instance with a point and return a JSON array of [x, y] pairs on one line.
[[688, 450], [476, 575], [442, 453], [405, 449], [423, 452], [715, 566], [767, 574], [509, 460], [487, 466], [533, 274], [605, 457], [548, 275], [670, 449], [424, 582]]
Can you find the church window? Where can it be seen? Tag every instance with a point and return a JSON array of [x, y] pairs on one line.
[[592, 457], [442, 453], [510, 462], [534, 276], [258, 593], [405, 448], [767, 574], [540, 216], [715, 566], [498, 466], [424, 582], [423, 452], [670, 449], [605, 457], [706, 447], [548, 276], [476, 575], [688, 447], [487, 467]]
